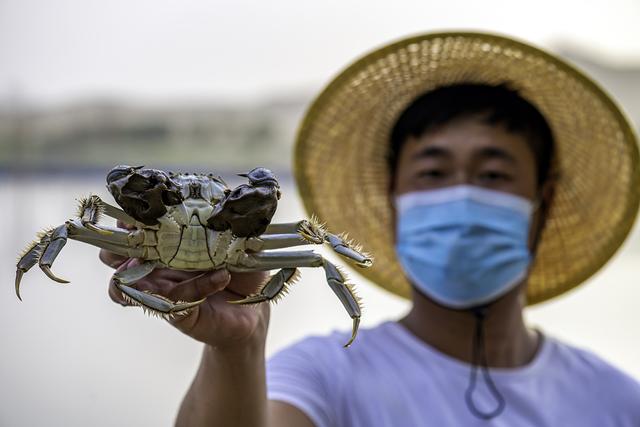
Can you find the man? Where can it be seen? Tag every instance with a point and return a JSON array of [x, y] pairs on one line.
[[484, 174]]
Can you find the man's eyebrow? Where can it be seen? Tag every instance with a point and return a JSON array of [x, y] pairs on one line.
[[496, 153], [485, 153], [428, 152]]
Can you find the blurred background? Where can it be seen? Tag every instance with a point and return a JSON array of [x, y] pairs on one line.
[[220, 86]]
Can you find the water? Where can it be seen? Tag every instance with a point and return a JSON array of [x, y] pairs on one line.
[[71, 357]]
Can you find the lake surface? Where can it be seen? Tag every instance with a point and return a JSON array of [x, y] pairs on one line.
[[71, 357]]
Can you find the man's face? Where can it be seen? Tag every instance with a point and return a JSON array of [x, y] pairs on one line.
[[468, 151]]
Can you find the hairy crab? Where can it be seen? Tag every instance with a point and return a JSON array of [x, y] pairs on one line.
[[196, 222]]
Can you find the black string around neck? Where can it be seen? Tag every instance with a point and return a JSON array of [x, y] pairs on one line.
[[479, 360]]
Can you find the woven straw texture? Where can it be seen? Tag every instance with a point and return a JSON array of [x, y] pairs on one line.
[[343, 177]]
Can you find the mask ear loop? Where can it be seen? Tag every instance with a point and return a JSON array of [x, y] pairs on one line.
[[479, 359], [536, 204]]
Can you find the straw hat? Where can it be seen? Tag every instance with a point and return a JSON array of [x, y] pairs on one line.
[[341, 148]]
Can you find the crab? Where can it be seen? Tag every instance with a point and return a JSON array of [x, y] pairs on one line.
[[195, 222]]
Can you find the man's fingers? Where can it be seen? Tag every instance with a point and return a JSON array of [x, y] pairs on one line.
[[114, 292], [175, 275], [201, 286], [124, 225], [111, 259], [247, 283], [186, 286], [116, 295], [175, 285]]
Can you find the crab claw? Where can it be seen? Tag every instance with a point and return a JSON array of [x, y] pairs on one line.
[[354, 331], [47, 270], [19, 274], [98, 230], [41, 252], [344, 248], [28, 260], [274, 289], [251, 299], [157, 303], [58, 240]]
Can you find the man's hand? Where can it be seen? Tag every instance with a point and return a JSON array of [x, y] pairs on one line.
[[215, 321], [230, 386]]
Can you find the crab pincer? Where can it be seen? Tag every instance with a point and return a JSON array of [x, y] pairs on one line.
[[43, 252]]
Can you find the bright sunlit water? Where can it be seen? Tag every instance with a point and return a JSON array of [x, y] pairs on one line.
[[71, 357]]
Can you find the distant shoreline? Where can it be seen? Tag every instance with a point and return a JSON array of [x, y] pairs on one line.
[[99, 172]]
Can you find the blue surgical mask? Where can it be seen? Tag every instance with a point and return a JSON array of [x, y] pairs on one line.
[[463, 246]]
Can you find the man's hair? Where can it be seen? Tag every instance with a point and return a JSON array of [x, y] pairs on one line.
[[498, 105]]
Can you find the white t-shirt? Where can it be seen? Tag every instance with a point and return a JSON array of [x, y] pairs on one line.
[[388, 377]]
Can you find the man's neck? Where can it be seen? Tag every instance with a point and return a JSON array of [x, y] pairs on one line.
[[508, 342]]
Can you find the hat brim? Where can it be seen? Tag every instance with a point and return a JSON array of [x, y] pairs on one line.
[[341, 151]]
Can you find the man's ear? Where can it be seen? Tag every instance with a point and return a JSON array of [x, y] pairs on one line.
[[545, 201], [391, 195]]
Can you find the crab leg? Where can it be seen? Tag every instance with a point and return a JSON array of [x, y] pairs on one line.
[[344, 249], [133, 274], [92, 207], [275, 288], [314, 233], [58, 238], [155, 303], [118, 213], [283, 228], [117, 241], [28, 260], [308, 230], [278, 241], [51, 243], [345, 293], [336, 279], [89, 213], [271, 260], [115, 236], [45, 251]]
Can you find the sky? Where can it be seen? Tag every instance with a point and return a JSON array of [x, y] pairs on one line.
[[68, 50]]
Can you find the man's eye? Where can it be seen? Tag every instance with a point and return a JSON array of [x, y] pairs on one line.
[[494, 176], [431, 173]]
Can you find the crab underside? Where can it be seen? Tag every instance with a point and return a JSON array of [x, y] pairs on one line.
[[195, 222]]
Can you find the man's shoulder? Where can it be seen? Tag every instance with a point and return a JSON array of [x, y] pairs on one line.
[[315, 373], [586, 361], [591, 373]]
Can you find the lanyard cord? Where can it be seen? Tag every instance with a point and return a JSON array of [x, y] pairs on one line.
[[479, 359]]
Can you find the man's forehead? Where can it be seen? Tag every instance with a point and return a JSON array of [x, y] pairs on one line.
[[481, 152], [469, 137]]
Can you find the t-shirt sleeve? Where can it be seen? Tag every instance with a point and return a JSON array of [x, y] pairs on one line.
[[297, 375], [612, 394]]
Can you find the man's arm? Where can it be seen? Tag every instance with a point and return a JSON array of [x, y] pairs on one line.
[[229, 390]]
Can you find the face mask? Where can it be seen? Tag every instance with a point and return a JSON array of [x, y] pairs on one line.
[[463, 246]]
